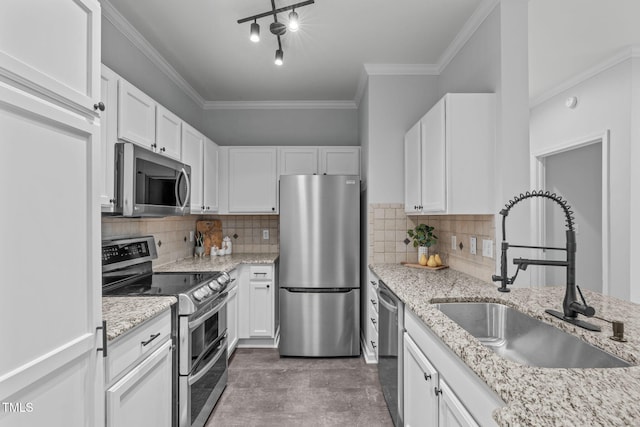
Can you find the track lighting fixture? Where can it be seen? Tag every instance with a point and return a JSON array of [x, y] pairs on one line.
[[255, 32], [279, 57], [276, 28]]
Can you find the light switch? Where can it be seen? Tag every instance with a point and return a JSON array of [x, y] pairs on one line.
[[472, 246], [265, 234], [454, 246]]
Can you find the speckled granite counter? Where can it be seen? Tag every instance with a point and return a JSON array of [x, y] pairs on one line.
[[123, 313], [217, 263], [533, 396]]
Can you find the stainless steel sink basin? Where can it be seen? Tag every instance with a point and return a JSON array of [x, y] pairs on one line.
[[523, 339]]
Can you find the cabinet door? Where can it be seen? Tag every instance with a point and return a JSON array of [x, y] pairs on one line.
[[452, 411], [261, 308], [340, 160], [420, 381], [412, 170], [168, 132], [210, 176], [50, 163], [136, 116], [192, 152], [252, 180], [298, 160], [143, 396], [108, 137], [434, 160], [53, 46], [232, 320]]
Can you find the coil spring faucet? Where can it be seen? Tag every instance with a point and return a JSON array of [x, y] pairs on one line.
[[570, 305]]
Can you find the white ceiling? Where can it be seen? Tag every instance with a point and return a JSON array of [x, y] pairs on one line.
[[323, 61]]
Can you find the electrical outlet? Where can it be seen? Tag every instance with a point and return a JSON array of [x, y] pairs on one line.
[[487, 248], [454, 246], [472, 246], [191, 236], [265, 234]]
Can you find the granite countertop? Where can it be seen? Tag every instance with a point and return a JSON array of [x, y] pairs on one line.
[[217, 263], [124, 313], [533, 396]]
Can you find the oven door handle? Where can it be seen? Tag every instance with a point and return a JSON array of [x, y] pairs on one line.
[[200, 320], [222, 347]]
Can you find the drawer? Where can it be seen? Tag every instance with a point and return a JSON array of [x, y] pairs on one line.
[[136, 344], [258, 272]]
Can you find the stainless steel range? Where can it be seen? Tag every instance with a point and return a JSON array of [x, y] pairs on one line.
[[200, 333]]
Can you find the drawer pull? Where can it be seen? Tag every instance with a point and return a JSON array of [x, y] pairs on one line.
[[374, 302], [260, 273], [427, 377], [373, 320], [151, 338], [373, 344]]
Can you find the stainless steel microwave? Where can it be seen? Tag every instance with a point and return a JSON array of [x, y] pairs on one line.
[[149, 184]]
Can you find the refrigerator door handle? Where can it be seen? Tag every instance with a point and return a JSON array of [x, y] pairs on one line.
[[386, 302], [318, 290]]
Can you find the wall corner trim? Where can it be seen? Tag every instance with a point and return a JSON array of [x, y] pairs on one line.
[[120, 22]]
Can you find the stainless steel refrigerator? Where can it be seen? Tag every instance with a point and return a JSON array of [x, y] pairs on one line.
[[319, 265]]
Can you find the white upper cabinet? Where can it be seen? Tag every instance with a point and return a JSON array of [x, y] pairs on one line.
[[339, 160], [252, 180], [210, 176], [54, 48], [168, 132], [136, 116], [457, 140], [412, 170], [192, 153], [108, 137], [298, 160]]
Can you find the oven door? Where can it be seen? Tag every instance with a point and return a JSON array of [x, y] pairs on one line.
[[199, 331], [200, 391]]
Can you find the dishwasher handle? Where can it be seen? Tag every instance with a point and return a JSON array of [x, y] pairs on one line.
[[387, 301]]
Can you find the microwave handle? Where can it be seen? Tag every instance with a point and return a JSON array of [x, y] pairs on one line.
[[186, 178]]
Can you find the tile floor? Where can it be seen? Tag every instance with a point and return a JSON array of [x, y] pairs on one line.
[[266, 390]]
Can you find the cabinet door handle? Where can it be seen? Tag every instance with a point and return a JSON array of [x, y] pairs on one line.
[[154, 145], [427, 377], [267, 286], [163, 149], [437, 390], [273, 209], [151, 338], [99, 106]]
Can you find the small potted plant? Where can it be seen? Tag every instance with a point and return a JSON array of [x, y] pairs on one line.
[[423, 238], [199, 251]]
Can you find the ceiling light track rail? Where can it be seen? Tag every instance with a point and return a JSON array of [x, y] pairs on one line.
[[275, 11]]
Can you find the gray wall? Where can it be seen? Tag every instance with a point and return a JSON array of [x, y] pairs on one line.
[[395, 104], [119, 54], [282, 127], [495, 59], [604, 104], [576, 175]]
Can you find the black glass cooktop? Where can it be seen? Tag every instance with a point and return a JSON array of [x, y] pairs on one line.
[[159, 284]]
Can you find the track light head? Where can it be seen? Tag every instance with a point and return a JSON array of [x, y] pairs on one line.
[[294, 24], [279, 57], [255, 32]]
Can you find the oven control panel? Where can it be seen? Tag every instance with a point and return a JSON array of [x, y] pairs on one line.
[[124, 252]]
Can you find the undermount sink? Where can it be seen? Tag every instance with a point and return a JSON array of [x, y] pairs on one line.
[[526, 340]]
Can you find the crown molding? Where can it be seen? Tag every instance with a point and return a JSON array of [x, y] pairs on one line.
[[619, 57], [138, 40], [280, 105], [468, 29]]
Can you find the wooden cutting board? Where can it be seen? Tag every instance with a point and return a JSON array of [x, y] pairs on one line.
[[408, 264], [212, 231]]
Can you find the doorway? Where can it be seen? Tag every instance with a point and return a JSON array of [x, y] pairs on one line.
[[578, 172]]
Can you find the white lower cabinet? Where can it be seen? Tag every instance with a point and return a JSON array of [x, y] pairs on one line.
[[439, 388], [256, 305], [143, 396], [139, 376]]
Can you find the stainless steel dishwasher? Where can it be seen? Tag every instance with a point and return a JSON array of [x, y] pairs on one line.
[[390, 329]]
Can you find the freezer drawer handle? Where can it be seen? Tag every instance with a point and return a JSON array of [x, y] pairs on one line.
[[317, 290]]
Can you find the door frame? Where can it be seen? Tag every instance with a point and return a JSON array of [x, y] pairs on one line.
[[537, 178]]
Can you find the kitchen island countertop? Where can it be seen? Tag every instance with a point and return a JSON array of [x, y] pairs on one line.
[[533, 396], [124, 313], [217, 263]]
